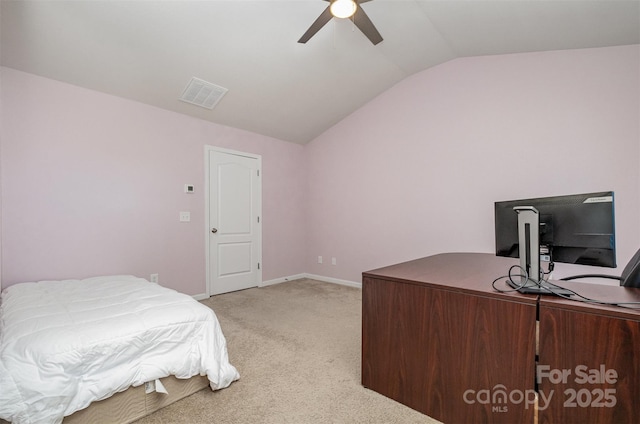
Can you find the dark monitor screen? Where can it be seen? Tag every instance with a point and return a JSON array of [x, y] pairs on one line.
[[575, 229]]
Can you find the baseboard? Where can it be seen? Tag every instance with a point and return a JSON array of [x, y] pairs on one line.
[[203, 296], [282, 280], [312, 277], [334, 280]]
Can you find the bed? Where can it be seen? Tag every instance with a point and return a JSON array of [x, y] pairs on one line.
[[67, 344]]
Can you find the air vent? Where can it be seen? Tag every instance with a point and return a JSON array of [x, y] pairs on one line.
[[202, 93]]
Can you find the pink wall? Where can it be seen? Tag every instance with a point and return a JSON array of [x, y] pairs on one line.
[[416, 171], [93, 184]]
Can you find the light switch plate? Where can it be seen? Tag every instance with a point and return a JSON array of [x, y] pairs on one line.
[[185, 216]]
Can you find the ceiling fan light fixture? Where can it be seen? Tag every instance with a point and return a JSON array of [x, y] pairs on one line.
[[343, 8]]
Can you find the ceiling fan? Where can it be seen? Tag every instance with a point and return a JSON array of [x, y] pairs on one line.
[[344, 9]]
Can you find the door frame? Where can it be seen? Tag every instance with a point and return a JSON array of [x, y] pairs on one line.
[[207, 202]]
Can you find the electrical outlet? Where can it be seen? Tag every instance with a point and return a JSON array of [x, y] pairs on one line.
[[185, 216], [319, 259], [154, 278], [333, 261]]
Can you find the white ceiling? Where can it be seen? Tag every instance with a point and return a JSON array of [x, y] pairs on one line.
[[149, 50]]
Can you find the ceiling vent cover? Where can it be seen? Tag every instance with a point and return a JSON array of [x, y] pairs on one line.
[[202, 93]]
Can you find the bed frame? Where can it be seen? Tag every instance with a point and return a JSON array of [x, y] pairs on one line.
[[134, 403]]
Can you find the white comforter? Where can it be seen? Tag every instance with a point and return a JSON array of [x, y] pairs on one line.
[[65, 344]]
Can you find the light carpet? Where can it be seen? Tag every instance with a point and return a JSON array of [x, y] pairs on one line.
[[297, 346]]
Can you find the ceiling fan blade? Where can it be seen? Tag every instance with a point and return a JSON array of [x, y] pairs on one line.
[[316, 25], [365, 25]]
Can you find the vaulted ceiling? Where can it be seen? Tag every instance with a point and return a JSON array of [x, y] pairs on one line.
[[148, 51]]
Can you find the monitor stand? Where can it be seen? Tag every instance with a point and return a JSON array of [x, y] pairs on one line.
[[529, 244]]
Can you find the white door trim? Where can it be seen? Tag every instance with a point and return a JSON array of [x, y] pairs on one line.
[[207, 200]]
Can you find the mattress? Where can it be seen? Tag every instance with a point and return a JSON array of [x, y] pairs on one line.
[[65, 344]]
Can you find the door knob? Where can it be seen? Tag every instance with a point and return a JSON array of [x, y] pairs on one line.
[[214, 230]]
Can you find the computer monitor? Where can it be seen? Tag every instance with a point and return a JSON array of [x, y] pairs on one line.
[[575, 229]]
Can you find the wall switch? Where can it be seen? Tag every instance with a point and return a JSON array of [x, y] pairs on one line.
[[188, 188], [153, 278], [185, 216], [319, 259], [333, 261]]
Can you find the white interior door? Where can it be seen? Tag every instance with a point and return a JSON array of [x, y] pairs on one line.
[[234, 228]]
